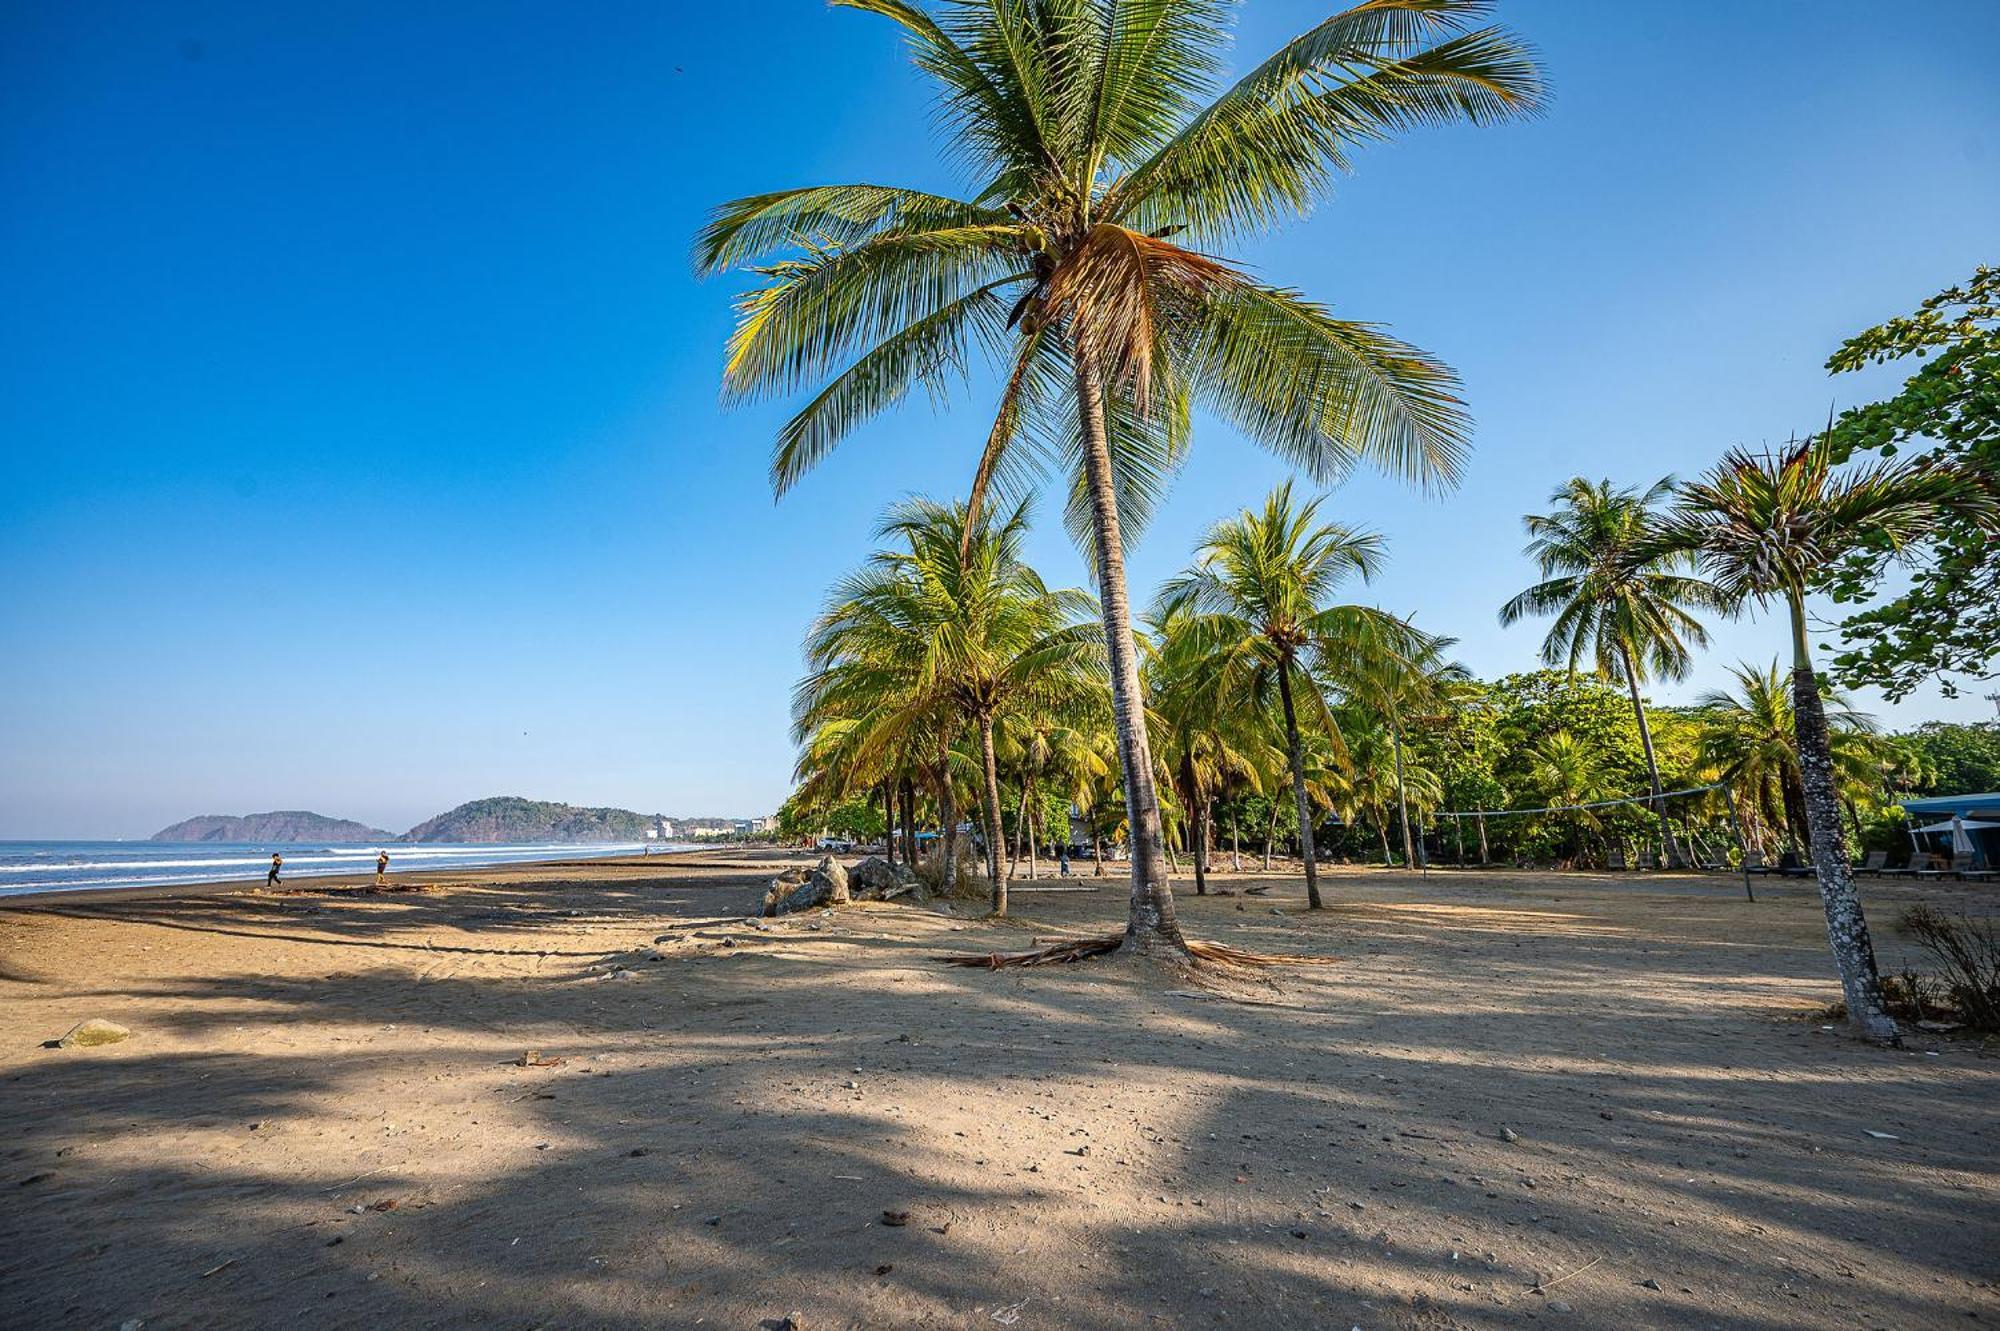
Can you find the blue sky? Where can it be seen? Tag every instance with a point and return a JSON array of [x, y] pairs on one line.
[[359, 438]]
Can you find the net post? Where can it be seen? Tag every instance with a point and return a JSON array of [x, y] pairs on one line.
[[1742, 846]]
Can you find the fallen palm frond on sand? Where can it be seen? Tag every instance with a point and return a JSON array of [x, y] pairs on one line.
[[1098, 945]]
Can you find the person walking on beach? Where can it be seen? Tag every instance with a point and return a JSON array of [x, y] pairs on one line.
[[1062, 857], [277, 862], [382, 869]]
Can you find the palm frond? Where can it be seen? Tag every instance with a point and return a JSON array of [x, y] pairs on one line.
[[1325, 393]]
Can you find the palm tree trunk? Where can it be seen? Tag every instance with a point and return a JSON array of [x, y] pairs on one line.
[[1195, 807], [910, 823], [1034, 840], [948, 832], [1200, 846], [1402, 804], [1295, 752], [1270, 834], [1236, 837], [1674, 858], [1097, 844], [1020, 829], [1485, 855], [1382, 835], [1846, 926], [992, 814], [889, 820], [1150, 923]]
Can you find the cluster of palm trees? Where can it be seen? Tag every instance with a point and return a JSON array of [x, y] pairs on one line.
[[943, 659], [1625, 572], [1109, 162], [947, 664]]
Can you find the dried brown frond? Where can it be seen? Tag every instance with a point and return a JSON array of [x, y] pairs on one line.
[[1118, 289]]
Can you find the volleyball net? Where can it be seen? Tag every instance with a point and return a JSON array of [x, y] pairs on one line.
[[1696, 829]]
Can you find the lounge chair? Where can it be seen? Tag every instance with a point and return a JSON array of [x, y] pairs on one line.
[[1753, 862], [1942, 865], [1874, 864], [1972, 875], [1791, 866], [1615, 860], [1648, 861], [1919, 860]]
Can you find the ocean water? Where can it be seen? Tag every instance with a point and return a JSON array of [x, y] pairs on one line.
[[28, 867]]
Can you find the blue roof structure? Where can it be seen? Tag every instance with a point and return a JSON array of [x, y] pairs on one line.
[[1969, 805]]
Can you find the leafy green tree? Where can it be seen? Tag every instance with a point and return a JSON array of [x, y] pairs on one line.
[[1952, 759], [1256, 611], [1461, 743], [857, 819], [1773, 527], [1948, 621], [1630, 616], [1101, 152]]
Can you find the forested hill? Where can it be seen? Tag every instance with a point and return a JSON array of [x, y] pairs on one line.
[[280, 825], [509, 818]]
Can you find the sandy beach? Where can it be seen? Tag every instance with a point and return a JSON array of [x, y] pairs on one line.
[[1592, 1101]]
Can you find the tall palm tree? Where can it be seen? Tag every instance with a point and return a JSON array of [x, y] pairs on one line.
[[936, 628], [1412, 684], [1102, 150], [1771, 527], [1371, 788], [1563, 770], [1255, 603], [1630, 616], [1748, 737], [1210, 736]]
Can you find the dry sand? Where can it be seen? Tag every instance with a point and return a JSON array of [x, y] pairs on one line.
[[320, 1119]]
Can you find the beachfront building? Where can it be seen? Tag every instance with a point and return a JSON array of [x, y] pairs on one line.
[[1965, 827]]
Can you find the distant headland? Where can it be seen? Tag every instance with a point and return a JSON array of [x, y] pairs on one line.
[[501, 819]]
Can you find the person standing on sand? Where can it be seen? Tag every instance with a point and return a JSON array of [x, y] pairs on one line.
[[382, 869], [277, 862]]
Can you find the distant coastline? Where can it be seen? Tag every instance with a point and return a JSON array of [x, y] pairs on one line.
[[496, 820]]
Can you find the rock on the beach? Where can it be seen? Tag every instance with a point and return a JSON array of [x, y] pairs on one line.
[[93, 1032], [825, 884], [875, 877], [835, 874], [789, 891]]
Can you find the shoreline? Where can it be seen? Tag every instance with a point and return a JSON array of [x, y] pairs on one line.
[[422, 878]]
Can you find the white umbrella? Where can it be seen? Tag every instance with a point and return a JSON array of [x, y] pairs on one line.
[[1960, 842]]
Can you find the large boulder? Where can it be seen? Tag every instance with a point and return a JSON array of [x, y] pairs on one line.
[[825, 884], [836, 878], [878, 879]]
